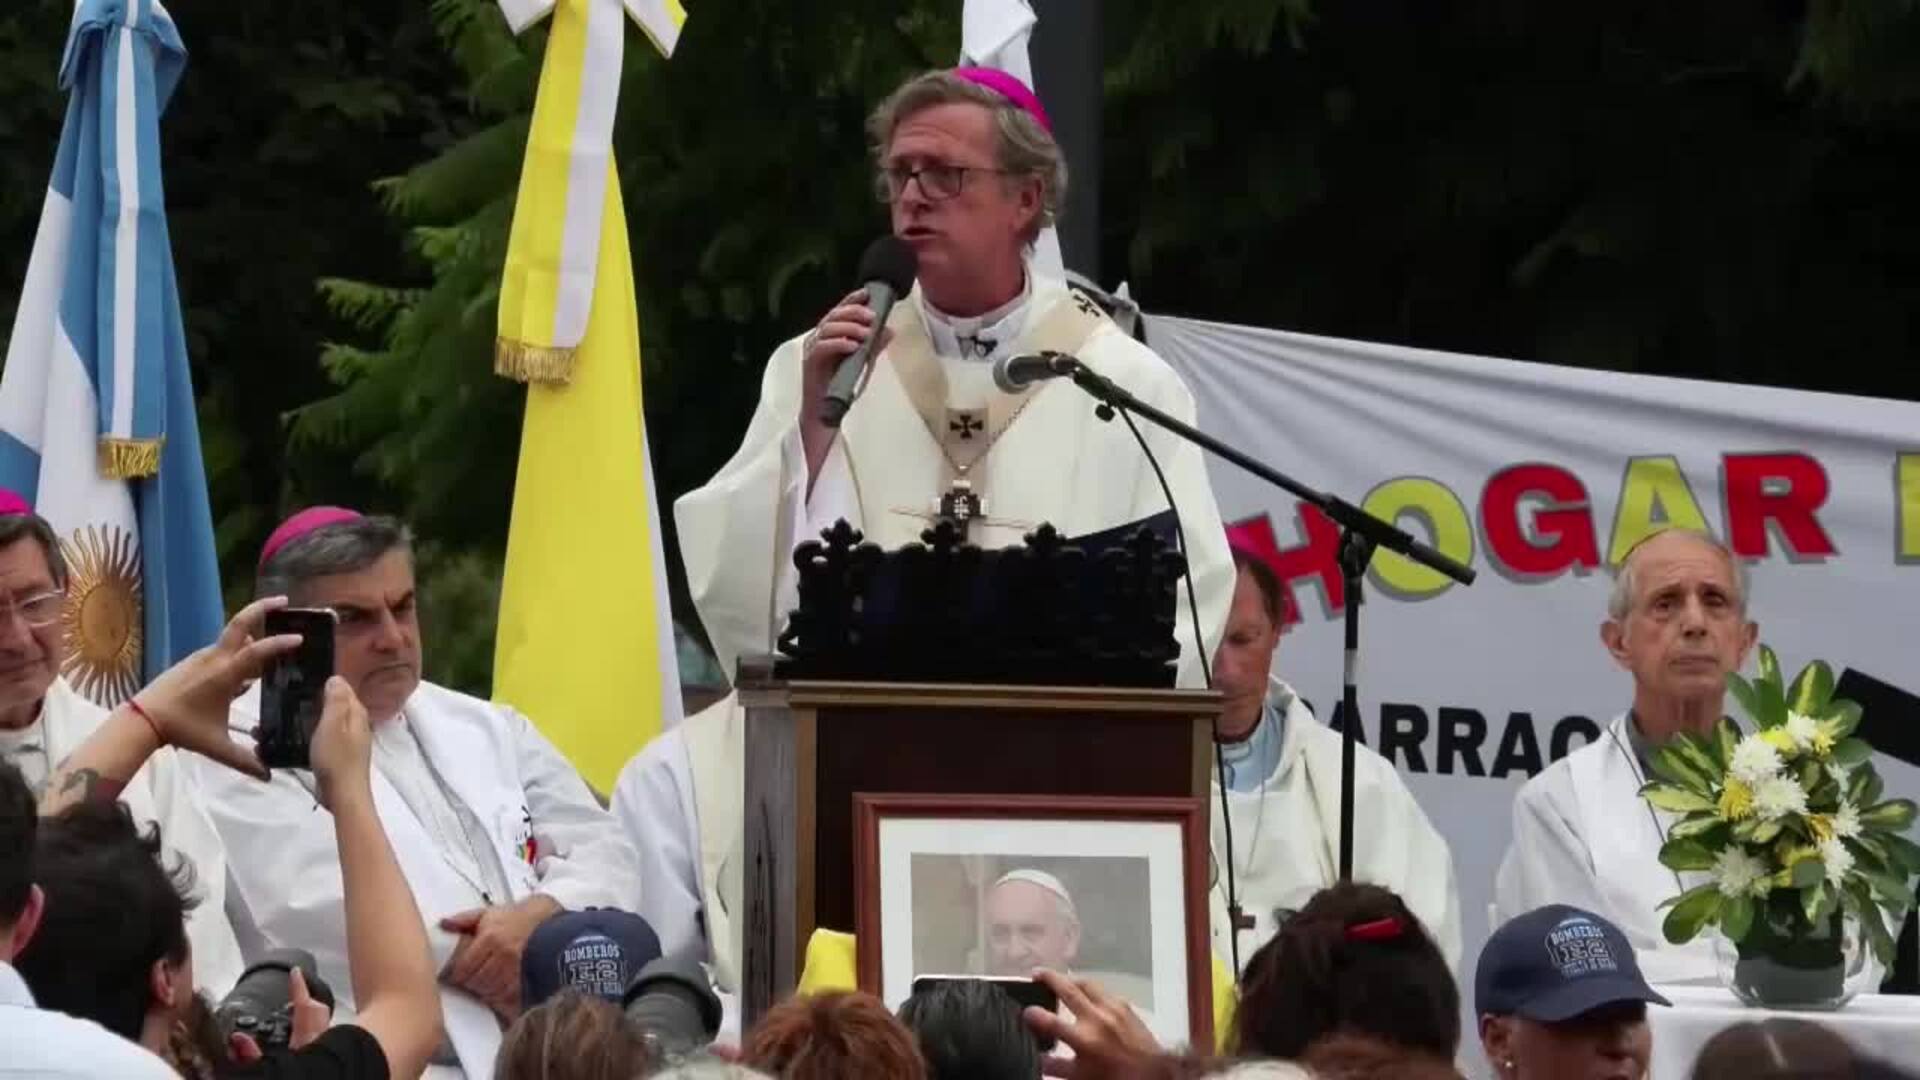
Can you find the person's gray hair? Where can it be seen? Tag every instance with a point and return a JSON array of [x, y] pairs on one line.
[[1625, 579], [17, 527], [1025, 149], [341, 548], [707, 1066]]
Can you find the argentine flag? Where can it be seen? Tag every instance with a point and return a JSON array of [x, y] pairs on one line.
[[97, 425]]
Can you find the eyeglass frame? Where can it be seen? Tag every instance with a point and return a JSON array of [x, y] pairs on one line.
[[17, 608], [885, 189]]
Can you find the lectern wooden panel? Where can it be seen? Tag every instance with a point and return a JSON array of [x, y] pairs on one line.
[[812, 745]]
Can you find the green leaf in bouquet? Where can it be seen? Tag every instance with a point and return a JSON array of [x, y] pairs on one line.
[[1765, 831], [1685, 855], [1823, 797], [1867, 851], [1851, 752], [1736, 917], [1770, 671], [1864, 785], [1811, 689], [1726, 736], [1894, 814], [1844, 715], [1818, 902], [1903, 853], [1773, 704], [1889, 889], [1707, 829], [1673, 765], [1691, 911], [1745, 695], [1806, 873], [1676, 800], [1868, 914], [1809, 776]]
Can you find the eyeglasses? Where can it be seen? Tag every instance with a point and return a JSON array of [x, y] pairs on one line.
[[937, 180], [38, 611]]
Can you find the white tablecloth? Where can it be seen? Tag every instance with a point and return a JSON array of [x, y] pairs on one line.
[[1885, 1026]]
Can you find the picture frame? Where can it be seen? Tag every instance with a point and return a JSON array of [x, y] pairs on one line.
[[1108, 888]]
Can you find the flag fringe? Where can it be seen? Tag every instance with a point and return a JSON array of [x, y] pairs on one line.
[[522, 362], [130, 459]]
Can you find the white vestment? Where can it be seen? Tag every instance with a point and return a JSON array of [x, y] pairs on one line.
[[1583, 836], [1056, 463], [680, 801], [1286, 838], [547, 834], [163, 793]]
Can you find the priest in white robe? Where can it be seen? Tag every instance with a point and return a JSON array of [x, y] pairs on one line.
[[494, 829], [970, 171], [1282, 779], [43, 718], [1582, 835]]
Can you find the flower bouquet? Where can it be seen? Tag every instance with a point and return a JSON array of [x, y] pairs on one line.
[[1790, 821]]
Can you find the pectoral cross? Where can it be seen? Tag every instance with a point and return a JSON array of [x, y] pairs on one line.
[[963, 506], [965, 424]]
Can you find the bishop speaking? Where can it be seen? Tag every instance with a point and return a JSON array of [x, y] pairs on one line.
[[968, 167]]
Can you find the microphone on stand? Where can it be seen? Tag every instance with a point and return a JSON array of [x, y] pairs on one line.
[[887, 270], [1013, 374]]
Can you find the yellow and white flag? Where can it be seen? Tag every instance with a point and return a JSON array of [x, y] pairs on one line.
[[585, 644]]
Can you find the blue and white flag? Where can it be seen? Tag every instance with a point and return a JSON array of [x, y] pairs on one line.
[[97, 424]]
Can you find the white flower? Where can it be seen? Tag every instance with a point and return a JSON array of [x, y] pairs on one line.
[[1737, 873], [1838, 860], [1846, 821], [1777, 796], [1754, 760], [1801, 728]]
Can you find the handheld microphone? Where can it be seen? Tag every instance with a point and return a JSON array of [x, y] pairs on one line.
[[1012, 374], [886, 271]]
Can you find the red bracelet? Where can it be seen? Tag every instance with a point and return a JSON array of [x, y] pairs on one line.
[[148, 717]]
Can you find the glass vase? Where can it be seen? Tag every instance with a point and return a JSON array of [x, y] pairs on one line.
[[1809, 967]]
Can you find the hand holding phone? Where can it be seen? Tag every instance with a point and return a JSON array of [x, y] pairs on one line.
[[293, 688]]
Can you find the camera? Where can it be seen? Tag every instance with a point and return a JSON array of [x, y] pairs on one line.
[[261, 1003]]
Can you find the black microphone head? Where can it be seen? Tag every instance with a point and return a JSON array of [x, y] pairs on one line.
[[892, 260]]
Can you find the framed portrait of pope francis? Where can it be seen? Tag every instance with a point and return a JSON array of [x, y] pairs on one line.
[[990, 886]]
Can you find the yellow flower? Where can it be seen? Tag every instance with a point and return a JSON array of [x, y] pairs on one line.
[[1821, 826], [1736, 801], [1780, 740], [1822, 741]]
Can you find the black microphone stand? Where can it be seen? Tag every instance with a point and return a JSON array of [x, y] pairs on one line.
[[1360, 534]]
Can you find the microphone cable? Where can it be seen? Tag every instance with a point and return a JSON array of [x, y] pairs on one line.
[[1105, 410]]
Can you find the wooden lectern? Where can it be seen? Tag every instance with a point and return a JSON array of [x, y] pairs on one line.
[[971, 640], [811, 745]]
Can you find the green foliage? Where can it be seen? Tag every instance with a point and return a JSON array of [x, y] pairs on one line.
[[1791, 869], [1719, 191]]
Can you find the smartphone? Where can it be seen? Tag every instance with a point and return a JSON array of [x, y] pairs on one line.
[[1024, 992], [293, 688]]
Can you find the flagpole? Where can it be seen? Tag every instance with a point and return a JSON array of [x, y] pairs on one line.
[[1067, 58]]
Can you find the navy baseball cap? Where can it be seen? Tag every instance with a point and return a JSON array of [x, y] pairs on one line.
[[597, 952], [1556, 962]]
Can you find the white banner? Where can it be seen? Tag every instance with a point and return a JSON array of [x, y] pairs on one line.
[[1539, 478]]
